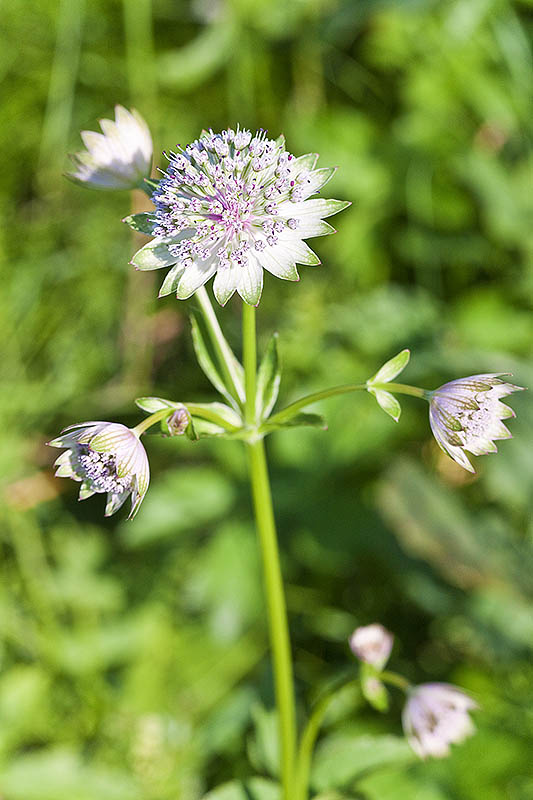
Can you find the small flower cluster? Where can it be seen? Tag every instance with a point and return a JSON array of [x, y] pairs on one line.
[[466, 414], [435, 715], [105, 457], [231, 204]]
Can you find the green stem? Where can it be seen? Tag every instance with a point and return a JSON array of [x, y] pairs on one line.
[[225, 356], [157, 416], [393, 679], [275, 598], [307, 745], [398, 388], [250, 361]]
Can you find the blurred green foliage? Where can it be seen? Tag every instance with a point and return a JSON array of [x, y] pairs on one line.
[[133, 656]]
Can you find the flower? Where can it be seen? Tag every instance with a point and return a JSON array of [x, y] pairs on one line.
[[119, 157], [231, 205], [435, 716], [104, 457], [372, 644], [466, 414]]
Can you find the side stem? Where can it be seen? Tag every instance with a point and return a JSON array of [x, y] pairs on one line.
[[275, 598]]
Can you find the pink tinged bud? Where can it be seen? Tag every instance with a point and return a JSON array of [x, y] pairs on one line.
[[436, 716], [178, 422], [372, 644]]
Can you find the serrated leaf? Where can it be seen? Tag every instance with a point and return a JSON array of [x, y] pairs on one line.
[[250, 789], [142, 223], [373, 689], [392, 368], [268, 380], [152, 404], [388, 402], [206, 358]]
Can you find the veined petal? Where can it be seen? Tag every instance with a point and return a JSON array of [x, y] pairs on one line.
[[250, 284], [156, 254], [318, 207], [195, 275], [280, 263], [114, 502], [316, 180], [170, 284], [300, 251], [225, 283]]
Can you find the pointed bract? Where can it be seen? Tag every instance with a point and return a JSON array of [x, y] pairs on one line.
[[106, 457]]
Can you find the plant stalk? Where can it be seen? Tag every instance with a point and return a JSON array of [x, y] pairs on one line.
[[275, 597]]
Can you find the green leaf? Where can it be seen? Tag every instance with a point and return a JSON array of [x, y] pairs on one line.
[[392, 368], [226, 413], [342, 758], [207, 358], [373, 689], [388, 402], [142, 223], [152, 404], [313, 420], [250, 789], [268, 380], [263, 746]]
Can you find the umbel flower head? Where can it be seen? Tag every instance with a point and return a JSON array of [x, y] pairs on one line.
[[119, 157], [467, 414], [372, 644], [435, 716], [104, 457], [230, 205]]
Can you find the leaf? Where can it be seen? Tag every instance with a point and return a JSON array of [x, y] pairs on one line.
[[388, 402], [342, 758], [152, 404], [391, 368], [268, 380], [313, 420], [206, 358], [263, 746], [250, 789], [142, 223]]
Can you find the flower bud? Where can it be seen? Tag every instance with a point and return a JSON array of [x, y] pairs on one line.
[[372, 644], [178, 422]]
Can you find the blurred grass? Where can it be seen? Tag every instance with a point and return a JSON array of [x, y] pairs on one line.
[[133, 657]]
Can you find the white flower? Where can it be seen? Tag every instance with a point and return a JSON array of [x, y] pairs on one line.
[[372, 644], [104, 457], [435, 716], [466, 414], [231, 205], [119, 157]]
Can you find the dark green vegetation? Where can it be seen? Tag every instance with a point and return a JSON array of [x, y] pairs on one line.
[[133, 661]]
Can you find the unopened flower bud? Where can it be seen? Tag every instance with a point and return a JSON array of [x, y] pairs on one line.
[[372, 644], [178, 422]]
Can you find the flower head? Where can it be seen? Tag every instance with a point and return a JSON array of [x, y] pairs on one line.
[[104, 457], [466, 414], [372, 644], [435, 716], [230, 205], [119, 157]]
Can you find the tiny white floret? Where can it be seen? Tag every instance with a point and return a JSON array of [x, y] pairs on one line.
[[372, 644], [436, 716]]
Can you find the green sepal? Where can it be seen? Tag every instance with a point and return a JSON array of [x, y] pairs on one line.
[[312, 420], [387, 402], [142, 223], [207, 359], [374, 691], [268, 380], [392, 368]]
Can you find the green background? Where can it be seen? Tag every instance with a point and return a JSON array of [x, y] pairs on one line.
[[133, 656]]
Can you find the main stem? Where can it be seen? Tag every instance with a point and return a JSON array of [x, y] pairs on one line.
[[275, 598]]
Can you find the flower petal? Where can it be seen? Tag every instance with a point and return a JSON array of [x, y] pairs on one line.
[[195, 275], [250, 283]]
